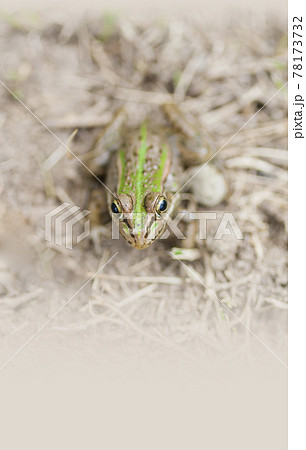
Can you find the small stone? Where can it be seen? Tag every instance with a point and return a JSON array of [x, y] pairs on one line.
[[208, 186]]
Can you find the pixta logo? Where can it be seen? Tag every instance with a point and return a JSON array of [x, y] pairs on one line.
[[223, 223], [60, 225]]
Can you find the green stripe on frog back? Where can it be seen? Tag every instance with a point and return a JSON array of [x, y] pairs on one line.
[[139, 209], [139, 190], [136, 178]]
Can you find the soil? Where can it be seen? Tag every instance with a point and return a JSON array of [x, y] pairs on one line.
[[76, 75]]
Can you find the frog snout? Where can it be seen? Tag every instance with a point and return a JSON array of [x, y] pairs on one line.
[[140, 240]]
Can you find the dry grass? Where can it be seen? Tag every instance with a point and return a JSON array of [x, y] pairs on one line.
[[77, 75]]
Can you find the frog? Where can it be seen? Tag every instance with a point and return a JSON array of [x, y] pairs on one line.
[[146, 168]]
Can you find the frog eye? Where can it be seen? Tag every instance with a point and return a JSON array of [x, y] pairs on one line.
[[116, 207], [161, 205]]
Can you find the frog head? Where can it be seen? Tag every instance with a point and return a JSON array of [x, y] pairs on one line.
[[141, 223]]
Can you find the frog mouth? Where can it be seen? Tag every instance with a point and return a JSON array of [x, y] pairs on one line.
[[141, 246], [141, 241]]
